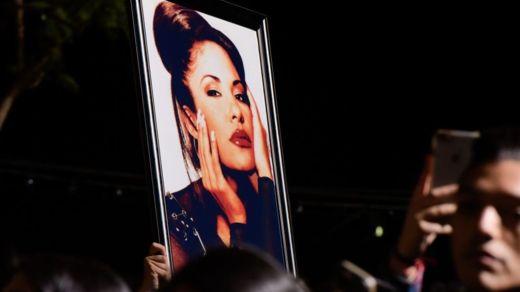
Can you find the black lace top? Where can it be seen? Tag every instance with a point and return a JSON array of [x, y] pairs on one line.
[[192, 220]]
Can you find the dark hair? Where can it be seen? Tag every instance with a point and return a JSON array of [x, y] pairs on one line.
[[234, 270], [496, 144], [176, 30], [59, 273]]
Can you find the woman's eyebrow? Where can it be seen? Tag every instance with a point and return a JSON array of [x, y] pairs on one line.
[[209, 76], [238, 82]]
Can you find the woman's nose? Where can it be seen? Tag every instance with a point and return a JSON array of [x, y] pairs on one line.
[[236, 113]]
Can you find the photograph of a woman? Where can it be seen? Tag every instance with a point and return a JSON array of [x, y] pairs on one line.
[[229, 199]]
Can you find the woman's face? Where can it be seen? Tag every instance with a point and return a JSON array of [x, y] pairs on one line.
[[220, 94]]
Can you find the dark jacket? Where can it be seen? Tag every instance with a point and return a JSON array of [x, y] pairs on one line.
[[192, 219]]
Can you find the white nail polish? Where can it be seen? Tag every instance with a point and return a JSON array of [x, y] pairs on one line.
[[212, 135]]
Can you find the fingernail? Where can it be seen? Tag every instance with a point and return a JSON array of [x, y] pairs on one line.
[[198, 117], [212, 135]]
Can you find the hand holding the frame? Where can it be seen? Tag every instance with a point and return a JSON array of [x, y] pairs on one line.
[[156, 268], [213, 179], [261, 150]]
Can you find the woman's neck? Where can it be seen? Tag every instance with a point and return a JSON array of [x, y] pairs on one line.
[[237, 179]]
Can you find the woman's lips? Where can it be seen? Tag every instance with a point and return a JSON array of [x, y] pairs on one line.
[[241, 139]]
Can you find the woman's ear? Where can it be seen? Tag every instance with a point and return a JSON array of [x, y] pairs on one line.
[[190, 121]]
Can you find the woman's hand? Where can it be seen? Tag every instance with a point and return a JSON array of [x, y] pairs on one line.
[[156, 268], [261, 150], [212, 177], [426, 218]]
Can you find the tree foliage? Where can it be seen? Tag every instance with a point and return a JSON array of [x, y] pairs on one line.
[[39, 32]]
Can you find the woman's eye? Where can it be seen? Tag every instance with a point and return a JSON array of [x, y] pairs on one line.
[[242, 97], [213, 92]]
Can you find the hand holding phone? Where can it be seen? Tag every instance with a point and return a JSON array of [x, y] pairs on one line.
[[432, 203], [452, 153]]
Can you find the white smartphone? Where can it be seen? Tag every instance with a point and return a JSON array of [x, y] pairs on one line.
[[452, 154]]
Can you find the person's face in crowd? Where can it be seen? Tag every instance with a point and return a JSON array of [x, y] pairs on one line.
[[220, 94], [486, 234]]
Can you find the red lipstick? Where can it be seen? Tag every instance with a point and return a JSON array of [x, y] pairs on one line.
[[241, 139]]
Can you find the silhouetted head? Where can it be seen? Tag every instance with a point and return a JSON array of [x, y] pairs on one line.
[[234, 270], [63, 274]]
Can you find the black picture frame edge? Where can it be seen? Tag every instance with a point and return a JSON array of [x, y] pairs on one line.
[[154, 172], [276, 144]]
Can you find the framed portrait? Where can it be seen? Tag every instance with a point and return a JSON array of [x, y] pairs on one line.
[[212, 129]]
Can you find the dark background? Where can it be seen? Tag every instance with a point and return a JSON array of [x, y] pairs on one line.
[[360, 90]]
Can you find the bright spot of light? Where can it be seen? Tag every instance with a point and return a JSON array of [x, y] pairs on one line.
[[379, 231]]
